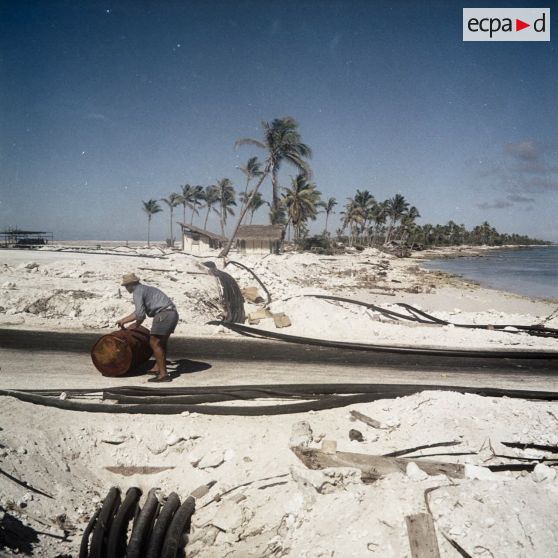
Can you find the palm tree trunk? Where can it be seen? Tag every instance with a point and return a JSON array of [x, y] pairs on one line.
[[148, 230], [388, 233], [327, 217], [184, 221], [223, 209], [275, 193], [206, 217], [171, 237], [229, 244]]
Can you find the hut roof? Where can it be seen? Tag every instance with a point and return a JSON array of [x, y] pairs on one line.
[[203, 232], [258, 232]]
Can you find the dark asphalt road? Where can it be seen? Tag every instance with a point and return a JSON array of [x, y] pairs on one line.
[[258, 350]]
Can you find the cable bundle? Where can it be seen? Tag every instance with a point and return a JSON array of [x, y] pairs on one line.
[[158, 530]]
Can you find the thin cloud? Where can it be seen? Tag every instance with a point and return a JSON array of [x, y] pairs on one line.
[[527, 167], [497, 204], [546, 184], [524, 150], [517, 198], [96, 116]]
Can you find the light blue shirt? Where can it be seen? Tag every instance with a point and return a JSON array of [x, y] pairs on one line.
[[149, 301]]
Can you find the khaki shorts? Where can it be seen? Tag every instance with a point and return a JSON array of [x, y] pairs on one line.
[[164, 323]]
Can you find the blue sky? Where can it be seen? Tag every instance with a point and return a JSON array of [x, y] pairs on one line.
[[106, 104]]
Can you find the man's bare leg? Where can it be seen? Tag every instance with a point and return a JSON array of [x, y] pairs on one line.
[[159, 346]]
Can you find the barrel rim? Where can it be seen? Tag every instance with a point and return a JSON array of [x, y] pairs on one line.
[[100, 367]]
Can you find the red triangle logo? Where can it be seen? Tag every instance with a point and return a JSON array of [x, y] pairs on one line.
[[519, 25]]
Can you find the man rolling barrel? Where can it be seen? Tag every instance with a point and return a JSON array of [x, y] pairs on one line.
[[154, 303]]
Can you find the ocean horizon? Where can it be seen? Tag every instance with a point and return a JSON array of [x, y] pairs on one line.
[[528, 271]]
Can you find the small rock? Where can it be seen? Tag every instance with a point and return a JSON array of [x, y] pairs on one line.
[[194, 458], [27, 497], [228, 516], [156, 446], [542, 473], [211, 460], [173, 439], [479, 473], [355, 435], [415, 473]]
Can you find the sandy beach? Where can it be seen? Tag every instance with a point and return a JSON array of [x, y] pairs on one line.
[[296, 512]]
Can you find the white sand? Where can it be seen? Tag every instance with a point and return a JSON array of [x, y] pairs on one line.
[[315, 514], [81, 291]]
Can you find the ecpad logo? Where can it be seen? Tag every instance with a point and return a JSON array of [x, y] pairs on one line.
[[506, 24]]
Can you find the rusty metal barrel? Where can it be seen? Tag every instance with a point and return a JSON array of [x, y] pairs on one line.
[[121, 351]]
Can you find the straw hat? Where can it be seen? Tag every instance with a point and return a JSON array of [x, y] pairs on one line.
[[129, 279]]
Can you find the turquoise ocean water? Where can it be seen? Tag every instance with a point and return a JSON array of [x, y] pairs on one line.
[[527, 271]]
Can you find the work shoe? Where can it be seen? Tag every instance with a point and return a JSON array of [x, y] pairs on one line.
[[166, 378]]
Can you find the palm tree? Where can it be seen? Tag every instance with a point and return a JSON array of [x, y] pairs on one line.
[[197, 201], [352, 217], [251, 170], [172, 201], [283, 142], [408, 221], [186, 199], [151, 207], [255, 202], [301, 201], [396, 208], [366, 201], [328, 209], [211, 197], [226, 193], [191, 197], [426, 233], [379, 216]]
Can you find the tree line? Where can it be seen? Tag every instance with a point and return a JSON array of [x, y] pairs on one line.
[[365, 221]]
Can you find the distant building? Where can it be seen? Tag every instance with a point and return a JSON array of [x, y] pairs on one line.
[[259, 238], [200, 241], [17, 238]]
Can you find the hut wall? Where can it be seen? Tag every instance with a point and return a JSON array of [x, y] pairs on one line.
[[195, 243], [256, 246]]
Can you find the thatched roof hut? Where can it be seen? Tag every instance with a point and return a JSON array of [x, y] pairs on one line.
[[259, 238]]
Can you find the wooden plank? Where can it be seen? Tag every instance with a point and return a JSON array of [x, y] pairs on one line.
[[251, 294], [129, 470], [422, 536], [367, 420], [260, 314], [281, 320], [374, 466]]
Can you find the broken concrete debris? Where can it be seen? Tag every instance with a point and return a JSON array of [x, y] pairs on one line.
[[301, 434]]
